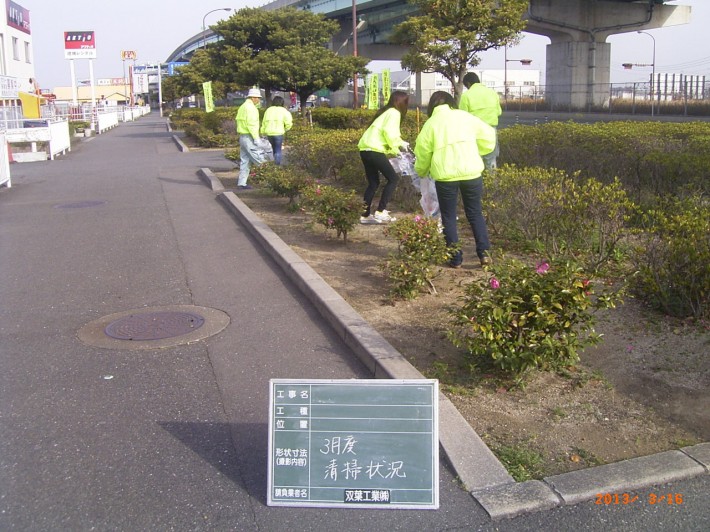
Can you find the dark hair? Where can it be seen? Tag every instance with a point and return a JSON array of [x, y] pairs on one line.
[[470, 78], [278, 101], [398, 100], [439, 98]]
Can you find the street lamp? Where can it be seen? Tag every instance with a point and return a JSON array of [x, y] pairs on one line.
[[204, 28], [653, 69], [355, 24], [524, 62]]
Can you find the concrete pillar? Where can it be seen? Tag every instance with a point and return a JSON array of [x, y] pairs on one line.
[[578, 57], [577, 74]]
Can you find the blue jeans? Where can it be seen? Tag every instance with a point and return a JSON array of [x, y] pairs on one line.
[[248, 153], [471, 192], [489, 160], [277, 142]]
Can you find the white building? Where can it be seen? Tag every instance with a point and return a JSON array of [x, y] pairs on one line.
[[16, 50]]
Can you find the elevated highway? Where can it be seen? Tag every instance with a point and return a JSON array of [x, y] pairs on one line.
[[577, 59]]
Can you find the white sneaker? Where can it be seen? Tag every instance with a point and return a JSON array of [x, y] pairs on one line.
[[366, 220], [384, 217]]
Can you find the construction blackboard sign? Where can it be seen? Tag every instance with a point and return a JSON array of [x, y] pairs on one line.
[[354, 443]]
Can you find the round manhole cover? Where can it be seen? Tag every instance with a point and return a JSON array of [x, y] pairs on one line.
[[154, 325], [80, 204]]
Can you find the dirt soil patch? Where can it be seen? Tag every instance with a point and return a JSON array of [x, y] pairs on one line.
[[643, 390]]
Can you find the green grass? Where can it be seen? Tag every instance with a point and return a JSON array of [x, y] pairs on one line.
[[522, 462]]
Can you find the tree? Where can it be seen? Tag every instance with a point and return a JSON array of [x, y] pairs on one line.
[[284, 49], [449, 34], [188, 79]]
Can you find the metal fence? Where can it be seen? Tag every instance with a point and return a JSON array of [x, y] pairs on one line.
[[671, 97]]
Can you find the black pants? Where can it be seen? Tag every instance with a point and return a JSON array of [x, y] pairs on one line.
[[375, 164]]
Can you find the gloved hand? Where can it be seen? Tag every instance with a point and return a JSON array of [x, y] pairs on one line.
[[404, 146]]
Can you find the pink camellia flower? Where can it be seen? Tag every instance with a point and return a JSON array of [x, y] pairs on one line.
[[417, 218], [542, 267], [495, 284]]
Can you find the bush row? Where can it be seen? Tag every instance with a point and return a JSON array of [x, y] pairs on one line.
[[650, 159]]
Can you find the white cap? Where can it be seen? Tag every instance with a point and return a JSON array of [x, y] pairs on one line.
[[254, 93]]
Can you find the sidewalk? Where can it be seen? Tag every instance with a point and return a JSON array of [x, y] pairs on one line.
[[119, 437]]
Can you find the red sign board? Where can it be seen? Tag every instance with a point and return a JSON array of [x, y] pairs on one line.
[[79, 45], [18, 17]]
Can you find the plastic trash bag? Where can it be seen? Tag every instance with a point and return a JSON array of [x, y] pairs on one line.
[[404, 164], [264, 146]]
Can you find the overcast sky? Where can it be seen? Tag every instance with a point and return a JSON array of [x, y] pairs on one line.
[[155, 28]]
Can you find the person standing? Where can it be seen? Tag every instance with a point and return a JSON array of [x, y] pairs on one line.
[[382, 138], [248, 129], [276, 122], [448, 148], [483, 102]]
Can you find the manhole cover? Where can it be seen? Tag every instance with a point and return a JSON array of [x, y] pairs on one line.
[[154, 325], [80, 204]]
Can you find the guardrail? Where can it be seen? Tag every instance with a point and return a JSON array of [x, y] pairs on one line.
[[54, 132], [106, 121], [5, 178]]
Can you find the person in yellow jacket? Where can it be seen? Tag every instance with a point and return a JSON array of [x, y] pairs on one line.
[[276, 122], [248, 129], [483, 102], [449, 149], [382, 138]]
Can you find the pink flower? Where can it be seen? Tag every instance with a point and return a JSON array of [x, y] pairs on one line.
[[417, 218], [542, 267], [495, 284], [318, 191], [331, 221]]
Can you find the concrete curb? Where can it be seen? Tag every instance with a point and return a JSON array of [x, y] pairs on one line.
[[180, 144], [478, 469], [210, 179]]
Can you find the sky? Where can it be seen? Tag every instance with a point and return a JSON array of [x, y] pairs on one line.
[[155, 28]]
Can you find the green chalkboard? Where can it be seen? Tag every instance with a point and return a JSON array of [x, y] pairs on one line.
[[354, 443]]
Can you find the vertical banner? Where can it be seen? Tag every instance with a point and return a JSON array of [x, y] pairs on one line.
[[373, 97], [209, 102], [386, 85]]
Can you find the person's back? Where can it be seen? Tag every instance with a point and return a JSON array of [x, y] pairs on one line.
[[484, 103]]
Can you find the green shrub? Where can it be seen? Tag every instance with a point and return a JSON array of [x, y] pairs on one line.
[[286, 181], [525, 317], [673, 258], [334, 209], [339, 118], [327, 154], [420, 248], [557, 214], [649, 158]]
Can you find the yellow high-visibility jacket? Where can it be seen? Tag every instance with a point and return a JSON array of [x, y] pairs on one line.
[[248, 119], [483, 102], [276, 121], [383, 135], [450, 145]]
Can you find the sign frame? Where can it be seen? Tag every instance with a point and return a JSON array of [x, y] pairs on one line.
[[387, 435], [80, 44]]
